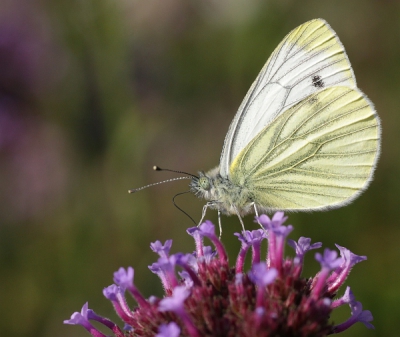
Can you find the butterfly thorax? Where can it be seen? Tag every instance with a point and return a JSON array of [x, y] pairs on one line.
[[222, 193]]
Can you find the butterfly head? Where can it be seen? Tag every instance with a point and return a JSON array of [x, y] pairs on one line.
[[205, 186], [201, 185], [204, 183]]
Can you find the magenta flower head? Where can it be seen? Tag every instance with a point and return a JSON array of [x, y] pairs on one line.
[[206, 296]]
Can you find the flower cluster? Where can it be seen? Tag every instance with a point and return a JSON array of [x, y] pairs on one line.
[[209, 298]]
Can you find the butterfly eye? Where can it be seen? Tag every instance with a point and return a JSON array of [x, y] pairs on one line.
[[204, 183]]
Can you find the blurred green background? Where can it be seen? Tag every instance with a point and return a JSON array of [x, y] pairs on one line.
[[94, 93]]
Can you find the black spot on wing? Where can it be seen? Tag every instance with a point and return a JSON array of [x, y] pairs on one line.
[[317, 81]]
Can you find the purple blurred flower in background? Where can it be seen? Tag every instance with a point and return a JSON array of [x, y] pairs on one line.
[[213, 299], [33, 167]]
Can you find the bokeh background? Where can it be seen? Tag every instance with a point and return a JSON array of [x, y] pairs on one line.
[[94, 93]]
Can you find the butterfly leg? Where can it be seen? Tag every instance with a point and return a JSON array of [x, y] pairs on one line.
[[255, 209], [219, 224], [256, 212], [203, 214], [240, 218]]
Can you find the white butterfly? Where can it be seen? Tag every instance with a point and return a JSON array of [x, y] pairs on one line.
[[304, 138]]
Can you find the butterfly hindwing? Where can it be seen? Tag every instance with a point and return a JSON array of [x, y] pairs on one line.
[[318, 154]]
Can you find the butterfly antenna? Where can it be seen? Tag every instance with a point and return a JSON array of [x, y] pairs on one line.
[[157, 168], [134, 190], [173, 200]]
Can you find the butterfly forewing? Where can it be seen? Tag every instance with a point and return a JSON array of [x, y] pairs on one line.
[[309, 59], [318, 154]]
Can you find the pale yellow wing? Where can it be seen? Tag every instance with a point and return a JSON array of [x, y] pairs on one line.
[[318, 154], [309, 59]]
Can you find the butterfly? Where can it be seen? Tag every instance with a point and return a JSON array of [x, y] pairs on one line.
[[305, 138]]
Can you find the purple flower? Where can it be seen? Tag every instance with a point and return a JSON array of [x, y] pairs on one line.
[[277, 220], [249, 239], [347, 298], [357, 315], [198, 239], [112, 292], [207, 229], [116, 295], [189, 263], [160, 249], [79, 317], [164, 268], [175, 302], [277, 234], [329, 259], [169, 330], [82, 318], [303, 246], [270, 298], [261, 275], [187, 280], [209, 254], [339, 276], [124, 278]]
